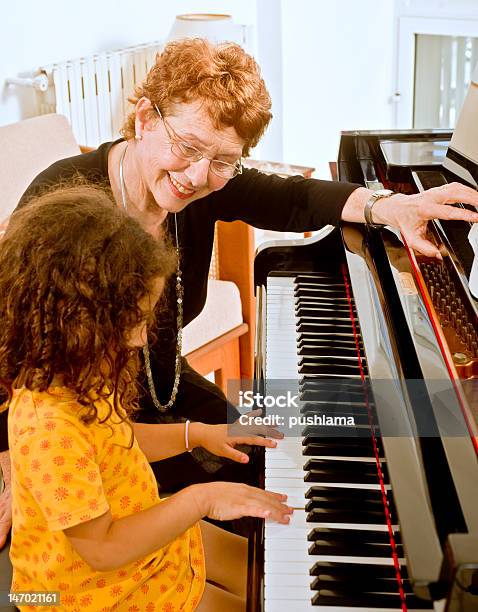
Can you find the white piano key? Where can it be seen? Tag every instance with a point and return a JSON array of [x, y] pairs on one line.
[[296, 529], [286, 473], [296, 568], [288, 555], [283, 550], [357, 526], [276, 604], [299, 462], [289, 446], [293, 484], [304, 580], [286, 544], [285, 450], [281, 351], [277, 479], [296, 501], [287, 567], [277, 464], [287, 592]]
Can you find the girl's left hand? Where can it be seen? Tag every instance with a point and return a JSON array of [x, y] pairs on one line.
[[217, 439]]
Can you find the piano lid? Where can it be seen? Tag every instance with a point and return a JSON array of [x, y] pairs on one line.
[[462, 155]]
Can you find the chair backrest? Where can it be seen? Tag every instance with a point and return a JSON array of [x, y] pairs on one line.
[[27, 148]]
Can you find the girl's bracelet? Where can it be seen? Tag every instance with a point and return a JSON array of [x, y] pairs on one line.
[[186, 436]]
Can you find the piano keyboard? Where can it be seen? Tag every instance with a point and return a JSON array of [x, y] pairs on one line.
[[337, 551]]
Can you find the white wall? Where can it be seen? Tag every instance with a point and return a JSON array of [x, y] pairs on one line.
[[269, 53], [329, 65], [337, 74], [33, 33]]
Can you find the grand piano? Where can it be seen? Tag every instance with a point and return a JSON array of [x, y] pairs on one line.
[[386, 510]]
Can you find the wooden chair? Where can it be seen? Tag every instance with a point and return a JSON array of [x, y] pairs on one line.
[[230, 356]]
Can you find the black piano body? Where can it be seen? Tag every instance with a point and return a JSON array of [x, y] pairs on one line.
[[416, 334]]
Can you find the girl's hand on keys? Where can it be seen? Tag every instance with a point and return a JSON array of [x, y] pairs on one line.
[[225, 501]]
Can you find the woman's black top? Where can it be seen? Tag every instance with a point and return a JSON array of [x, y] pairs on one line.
[[265, 201]]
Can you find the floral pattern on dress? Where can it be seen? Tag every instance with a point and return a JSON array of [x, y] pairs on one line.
[[65, 473]]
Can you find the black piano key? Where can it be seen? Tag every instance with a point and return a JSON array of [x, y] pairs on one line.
[[333, 284], [336, 405], [354, 585], [416, 603], [344, 545], [335, 391], [329, 350], [317, 295], [372, 600], [324, 314], [352, 466], [352, 437], [329, 359], [331, 449], [354, 494], [336, 597], [327, 376], [345, 341], [360, 415], [334, 400], [327, 306], [323, 323], [318, 433], [341, 503], [336, 284], [334, 369], [336, 281], [331, 355], [352, 387], [358, 419], [321, 328], [340, 477], [360, 536], [330, 304], [319, 277], [351, 570], [355, 516], [320, 288]]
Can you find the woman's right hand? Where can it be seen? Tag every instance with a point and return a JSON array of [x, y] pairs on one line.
[[225, 501]]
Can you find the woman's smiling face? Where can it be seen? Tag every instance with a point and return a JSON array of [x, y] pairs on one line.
[[175, 182]]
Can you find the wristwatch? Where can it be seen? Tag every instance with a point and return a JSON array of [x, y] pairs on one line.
[[367, 211]]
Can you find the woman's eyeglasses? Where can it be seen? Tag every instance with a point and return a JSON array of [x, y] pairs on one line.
[[184, 150]]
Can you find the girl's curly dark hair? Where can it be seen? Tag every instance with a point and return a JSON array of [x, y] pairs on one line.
[[73, 267]]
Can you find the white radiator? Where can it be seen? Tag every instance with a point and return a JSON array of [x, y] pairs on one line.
[[92, 92]]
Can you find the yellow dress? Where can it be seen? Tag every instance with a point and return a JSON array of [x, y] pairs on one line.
[[65, 473]]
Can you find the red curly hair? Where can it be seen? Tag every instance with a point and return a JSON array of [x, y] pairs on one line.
[[73, 267], [224, 78]]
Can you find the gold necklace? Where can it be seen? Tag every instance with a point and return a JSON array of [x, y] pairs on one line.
[[179, 318]]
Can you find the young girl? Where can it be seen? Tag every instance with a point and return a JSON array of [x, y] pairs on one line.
[[79, 281]]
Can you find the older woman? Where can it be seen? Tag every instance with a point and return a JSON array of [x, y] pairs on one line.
[[178, 171]]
